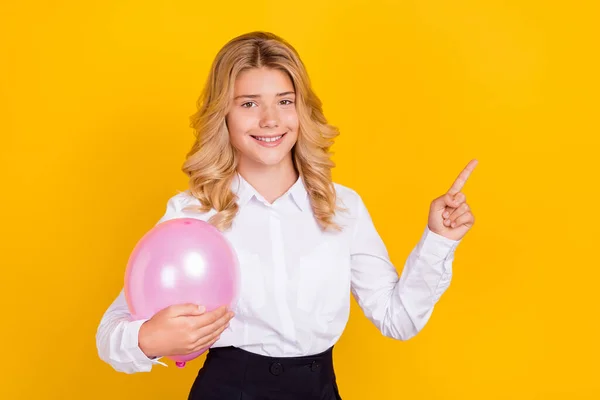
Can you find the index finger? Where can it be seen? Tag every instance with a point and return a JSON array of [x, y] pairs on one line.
[[211, 316], [462, 177]]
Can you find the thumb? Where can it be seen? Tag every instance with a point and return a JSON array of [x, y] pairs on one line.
[[446, 200], [450, 200], [179, 310]]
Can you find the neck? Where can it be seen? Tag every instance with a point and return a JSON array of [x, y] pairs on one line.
[[271, 181]]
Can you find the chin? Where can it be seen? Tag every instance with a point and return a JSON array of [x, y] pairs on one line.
[[272, 159]]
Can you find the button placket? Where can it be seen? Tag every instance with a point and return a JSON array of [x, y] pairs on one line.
[[280, 276]]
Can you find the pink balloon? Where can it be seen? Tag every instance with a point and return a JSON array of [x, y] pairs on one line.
[[181, 260]]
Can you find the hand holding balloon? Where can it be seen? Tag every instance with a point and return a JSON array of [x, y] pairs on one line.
[[182, 329], [176, 267]]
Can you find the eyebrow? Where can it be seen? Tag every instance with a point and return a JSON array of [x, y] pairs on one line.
[[256, 96]]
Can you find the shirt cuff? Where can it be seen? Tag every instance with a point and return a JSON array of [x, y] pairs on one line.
[[438, 245], [130, 344]]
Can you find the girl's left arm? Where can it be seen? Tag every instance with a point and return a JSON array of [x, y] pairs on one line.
[[399, 306]]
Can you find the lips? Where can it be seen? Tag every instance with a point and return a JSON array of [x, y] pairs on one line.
[[269, 141], [271, 137]]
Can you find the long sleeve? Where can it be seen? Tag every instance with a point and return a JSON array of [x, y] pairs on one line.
[[398, 306], [117, 339], [117, 333]]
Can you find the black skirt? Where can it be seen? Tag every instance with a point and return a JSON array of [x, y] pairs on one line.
[[230, 373]]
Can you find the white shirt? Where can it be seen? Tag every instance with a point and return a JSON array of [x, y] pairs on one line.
[[296, 280]]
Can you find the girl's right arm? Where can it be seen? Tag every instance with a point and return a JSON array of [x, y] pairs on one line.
[[135, 346]]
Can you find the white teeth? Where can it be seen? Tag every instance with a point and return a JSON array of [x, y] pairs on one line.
[[266, 139]]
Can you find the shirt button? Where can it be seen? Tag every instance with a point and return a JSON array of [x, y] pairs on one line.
[[314, 366], [276, 368]]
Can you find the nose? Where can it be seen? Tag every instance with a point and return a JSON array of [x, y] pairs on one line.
[[269, 117]]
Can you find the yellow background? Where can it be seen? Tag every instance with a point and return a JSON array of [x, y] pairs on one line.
[[94, 107]]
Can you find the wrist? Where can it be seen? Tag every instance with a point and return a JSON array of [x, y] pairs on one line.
[[144, 342]]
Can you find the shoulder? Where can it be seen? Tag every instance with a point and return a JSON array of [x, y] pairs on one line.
[[345, 192], [184, 205], [349, 199], [182, 200]]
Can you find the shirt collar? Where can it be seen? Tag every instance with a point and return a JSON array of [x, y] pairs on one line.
[[245, 192]]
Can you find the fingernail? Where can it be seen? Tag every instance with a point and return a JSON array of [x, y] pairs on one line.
[[201, 308], [446, 214]]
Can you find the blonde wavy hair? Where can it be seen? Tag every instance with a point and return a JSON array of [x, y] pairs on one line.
[[212, 161]]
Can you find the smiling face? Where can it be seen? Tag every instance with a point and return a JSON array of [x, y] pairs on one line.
[[262, 121]]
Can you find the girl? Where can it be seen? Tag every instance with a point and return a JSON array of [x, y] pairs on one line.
[[260, 171]]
